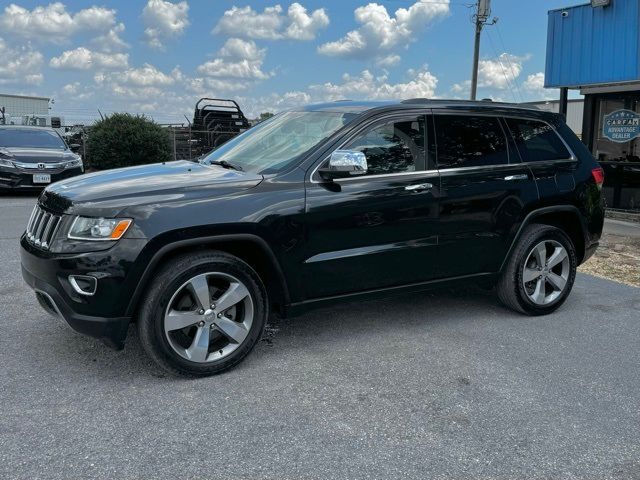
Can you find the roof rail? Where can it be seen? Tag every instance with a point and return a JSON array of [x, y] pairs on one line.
[[416, 100]]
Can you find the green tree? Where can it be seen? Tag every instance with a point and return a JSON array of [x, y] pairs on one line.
[[122, 140]]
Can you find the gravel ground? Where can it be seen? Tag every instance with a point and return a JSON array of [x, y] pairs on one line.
[[618, 257], [441, 385]]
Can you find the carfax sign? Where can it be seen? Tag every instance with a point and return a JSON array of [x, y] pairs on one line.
[[621, 126]]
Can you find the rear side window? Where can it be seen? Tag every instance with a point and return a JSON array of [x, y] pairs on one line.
[[536, 141], [469, 141]]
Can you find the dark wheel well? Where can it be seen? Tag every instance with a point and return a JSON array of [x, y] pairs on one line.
[[569, 223], [253, 252]]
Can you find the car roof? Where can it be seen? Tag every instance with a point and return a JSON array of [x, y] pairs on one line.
[[501, 108], [25, 127]]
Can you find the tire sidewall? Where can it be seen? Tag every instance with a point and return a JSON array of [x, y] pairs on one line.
[[169, 281], [548, 233]]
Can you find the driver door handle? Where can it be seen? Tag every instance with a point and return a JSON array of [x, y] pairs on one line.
[[419, 187], [522, 176]]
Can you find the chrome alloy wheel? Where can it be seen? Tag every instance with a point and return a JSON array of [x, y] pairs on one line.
[[208, 317], [546, 272]]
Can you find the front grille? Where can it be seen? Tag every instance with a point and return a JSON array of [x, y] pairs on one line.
[[42, 227]]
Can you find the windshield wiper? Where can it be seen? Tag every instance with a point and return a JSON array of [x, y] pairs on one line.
[[225, 164]]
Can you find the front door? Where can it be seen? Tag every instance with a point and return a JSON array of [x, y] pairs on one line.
[[484, 191], [376, 230]]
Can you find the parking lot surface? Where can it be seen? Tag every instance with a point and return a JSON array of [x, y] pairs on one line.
[[435, 385]]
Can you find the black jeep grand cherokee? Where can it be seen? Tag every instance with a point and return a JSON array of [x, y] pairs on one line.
[[339, 201]]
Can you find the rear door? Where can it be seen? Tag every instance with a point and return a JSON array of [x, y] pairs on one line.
[[545, 152], [484, 191], [376, 230]]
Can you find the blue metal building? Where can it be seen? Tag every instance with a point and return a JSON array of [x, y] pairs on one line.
[[595, 48]]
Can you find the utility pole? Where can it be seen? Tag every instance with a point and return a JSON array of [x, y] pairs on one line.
[[480, 20]]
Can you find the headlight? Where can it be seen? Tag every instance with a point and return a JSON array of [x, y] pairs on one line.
[[76, 162], [84, 228], [6, 163]]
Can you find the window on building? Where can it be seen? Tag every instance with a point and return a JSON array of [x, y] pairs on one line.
[[537, 141], [469, 141], [393, 147]]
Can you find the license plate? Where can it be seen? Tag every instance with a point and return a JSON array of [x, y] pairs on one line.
[[42, 178]]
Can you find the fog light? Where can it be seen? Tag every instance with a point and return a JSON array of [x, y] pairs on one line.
[[84, 284]]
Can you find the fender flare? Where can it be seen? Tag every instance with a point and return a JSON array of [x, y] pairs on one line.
[[531, 216], [166, 249]]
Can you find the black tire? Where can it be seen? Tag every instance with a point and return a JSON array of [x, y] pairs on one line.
[[510, 286], [169, 280]]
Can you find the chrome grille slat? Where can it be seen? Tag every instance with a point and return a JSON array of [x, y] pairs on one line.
[[42, 227]]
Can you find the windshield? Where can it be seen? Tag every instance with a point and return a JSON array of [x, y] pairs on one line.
[[10, 137], [273, 144]]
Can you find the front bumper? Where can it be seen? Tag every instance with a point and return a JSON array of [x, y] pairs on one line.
[[103, 315], [21, 179]]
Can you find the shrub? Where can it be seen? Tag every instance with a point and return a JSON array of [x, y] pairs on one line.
[[122, 140]]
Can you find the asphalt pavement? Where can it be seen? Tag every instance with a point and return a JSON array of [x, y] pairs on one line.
[[430, 386]]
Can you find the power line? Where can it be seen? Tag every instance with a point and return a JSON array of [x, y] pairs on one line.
[[515, 82], [504, 73]]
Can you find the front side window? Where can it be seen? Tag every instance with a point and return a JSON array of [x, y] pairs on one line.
[[393, 147], [469, 141], [536, 141], [274, 144], [30, 138]]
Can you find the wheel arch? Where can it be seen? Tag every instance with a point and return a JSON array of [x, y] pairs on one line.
[[564, 217], [250, 248]]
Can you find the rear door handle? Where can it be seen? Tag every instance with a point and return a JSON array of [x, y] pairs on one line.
[[522, 176], [419, 187]]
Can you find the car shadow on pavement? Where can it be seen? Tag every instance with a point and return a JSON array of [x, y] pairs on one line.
[[355, 323]]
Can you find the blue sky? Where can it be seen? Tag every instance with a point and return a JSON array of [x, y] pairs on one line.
[[158, 57]]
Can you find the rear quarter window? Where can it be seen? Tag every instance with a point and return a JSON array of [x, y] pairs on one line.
[[537, 141]]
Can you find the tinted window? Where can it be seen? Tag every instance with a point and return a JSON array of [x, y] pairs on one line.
[[394, 147], [14, 137], [468, 141], [536, 140]]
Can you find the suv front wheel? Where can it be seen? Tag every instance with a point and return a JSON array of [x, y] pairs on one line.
[[540, 272], [203, 313]]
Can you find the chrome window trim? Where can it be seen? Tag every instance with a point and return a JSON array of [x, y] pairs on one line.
[[417, 173], [573, 158], [517, 117]]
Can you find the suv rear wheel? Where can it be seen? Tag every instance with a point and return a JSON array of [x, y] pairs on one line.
[[540, 272], [203, 314]]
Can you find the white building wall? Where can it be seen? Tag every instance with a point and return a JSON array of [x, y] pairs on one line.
[[16, 105], [575, 110]]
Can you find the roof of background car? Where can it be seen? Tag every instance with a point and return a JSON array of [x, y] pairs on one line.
[[25, 127], [351, 106]]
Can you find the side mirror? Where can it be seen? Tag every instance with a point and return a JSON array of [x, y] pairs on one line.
[[344, 164]]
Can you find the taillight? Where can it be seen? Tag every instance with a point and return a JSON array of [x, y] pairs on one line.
[[598, 176]]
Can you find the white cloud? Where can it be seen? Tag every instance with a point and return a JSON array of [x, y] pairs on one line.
[[421, 83], [500, 72], [238, 61], [20, 65], [164, 20], [380, 33], [272, 23], [388, 61], [111, 40], [52, 23], [83, 59], [534, 86]]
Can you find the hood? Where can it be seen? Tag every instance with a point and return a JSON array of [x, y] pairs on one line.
[[38, 155], [112, 191]]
